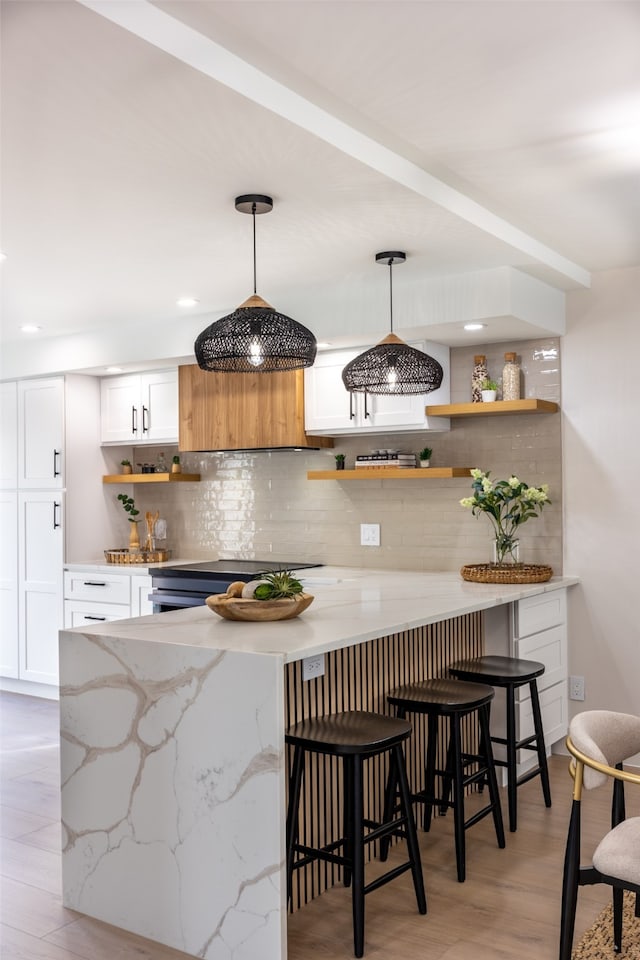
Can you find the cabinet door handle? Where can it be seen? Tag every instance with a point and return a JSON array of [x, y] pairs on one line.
[[134, 420], [366, 409], [351, 412], [56, 454], [94, 583], [56, 523], [87, 617], [145, 426]]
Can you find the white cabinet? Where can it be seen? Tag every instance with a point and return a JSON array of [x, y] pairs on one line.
[[534, 629], [140, 590], [9, 662], [8, 435], [97, 587], [540, 633], [332, 410], [93, 596], [41, 434], [40, 560], [81, 613], [140, 408], [52, 509]]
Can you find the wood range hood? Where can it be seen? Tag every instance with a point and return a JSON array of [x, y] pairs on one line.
[[243, 411]]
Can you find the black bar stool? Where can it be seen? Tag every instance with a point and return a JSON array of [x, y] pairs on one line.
[[453, 700], [511, 673], [355, 736]]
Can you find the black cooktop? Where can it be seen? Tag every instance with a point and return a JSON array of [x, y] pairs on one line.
[[215, 568]]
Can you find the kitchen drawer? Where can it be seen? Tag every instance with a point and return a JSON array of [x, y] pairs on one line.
[[553, 706], [103, 587], [548, 647], [539, 613], [79, 613]]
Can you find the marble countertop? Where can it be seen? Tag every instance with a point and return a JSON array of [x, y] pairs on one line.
[[351, 606]]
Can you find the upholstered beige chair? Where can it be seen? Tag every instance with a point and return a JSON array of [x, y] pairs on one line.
[[599, 741]]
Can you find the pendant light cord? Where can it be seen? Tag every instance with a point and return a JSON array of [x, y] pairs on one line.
[[391, 292], [253, 213]]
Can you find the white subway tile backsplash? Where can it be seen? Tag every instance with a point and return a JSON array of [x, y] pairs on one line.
[[260, 504]]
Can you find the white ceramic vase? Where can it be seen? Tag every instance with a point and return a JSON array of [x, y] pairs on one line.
[[488, 396]]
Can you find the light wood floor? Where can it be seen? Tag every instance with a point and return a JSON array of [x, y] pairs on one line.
[[508, 908]]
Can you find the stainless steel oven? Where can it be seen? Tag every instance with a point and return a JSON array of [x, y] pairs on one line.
[[174, 588]]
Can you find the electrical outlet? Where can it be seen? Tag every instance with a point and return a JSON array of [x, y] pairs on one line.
[[313, 667], [576, 688], [369, 534]]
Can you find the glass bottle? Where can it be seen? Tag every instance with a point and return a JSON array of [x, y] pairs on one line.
[[511, 377], [161, 464], [479, 375]]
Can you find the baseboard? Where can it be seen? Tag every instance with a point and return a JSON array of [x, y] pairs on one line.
[[46, 691]]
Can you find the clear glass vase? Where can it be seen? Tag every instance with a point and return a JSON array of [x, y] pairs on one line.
[[506, 549]]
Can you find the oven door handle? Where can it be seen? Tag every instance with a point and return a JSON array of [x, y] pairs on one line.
[[176, 600]]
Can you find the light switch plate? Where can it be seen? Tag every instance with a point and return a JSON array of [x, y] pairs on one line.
[[369, 534]]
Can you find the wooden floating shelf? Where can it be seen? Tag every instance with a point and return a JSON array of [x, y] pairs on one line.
[[496, 409], [390, 473], [151, 478]]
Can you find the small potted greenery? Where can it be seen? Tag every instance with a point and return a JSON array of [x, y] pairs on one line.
[[126, 466], [339, 461], [425, 456], [489, 390], [175, 465]]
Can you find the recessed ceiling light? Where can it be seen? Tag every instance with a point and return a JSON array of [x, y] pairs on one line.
[[474, 326], [187, 302], [114, 369], [30, 328]]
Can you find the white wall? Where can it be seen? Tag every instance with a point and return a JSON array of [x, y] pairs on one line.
[[601, 424]]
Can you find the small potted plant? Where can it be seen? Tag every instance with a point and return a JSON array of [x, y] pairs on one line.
[[126, 466], [339, 461], [175, 464], [425, 456], [489, 390]]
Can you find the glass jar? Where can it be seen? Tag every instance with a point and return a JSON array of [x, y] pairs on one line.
[[161, 464], [511, 377], [505, 549], [479, 375]]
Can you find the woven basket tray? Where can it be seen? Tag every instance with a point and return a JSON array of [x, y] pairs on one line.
[[506, 572]]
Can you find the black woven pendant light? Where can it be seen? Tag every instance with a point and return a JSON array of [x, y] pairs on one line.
[[255, 338], [392, 366]]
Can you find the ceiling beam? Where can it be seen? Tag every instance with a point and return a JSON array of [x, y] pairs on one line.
[[208, 57]]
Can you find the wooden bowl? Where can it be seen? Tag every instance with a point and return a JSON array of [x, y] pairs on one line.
[[234, 608]]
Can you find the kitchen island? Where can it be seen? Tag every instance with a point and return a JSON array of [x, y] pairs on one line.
[[173, 759]]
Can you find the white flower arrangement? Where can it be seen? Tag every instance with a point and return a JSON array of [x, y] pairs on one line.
[[508, 504]]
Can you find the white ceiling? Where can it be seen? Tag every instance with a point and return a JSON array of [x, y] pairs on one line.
[[474, 135]]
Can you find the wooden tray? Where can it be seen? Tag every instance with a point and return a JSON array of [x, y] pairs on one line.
[[124, 555], [234, 608]]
